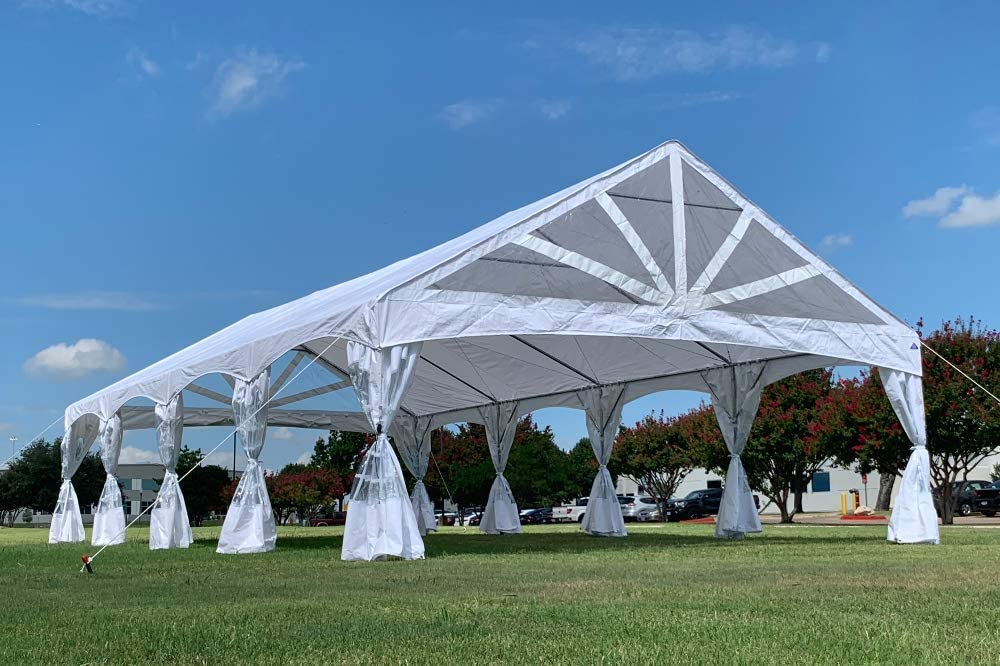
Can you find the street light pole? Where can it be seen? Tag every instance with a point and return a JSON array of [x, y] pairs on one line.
[[13, 447]]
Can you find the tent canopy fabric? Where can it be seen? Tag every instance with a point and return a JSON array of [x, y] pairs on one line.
[[647, 274]]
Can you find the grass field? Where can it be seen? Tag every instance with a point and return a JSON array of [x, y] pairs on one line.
[[666, 594]]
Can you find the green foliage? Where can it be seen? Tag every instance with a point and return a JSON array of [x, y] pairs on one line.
[[33, 479], [783, 452], [206, 488], [582, 468], [538, 471], [341, 452], [306, 492], [963, 422], [655, 455]]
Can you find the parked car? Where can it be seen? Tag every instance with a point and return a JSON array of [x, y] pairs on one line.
[[987, 500], [572, 513], [468, 515], [695, 504], [963, 496], [639, 508], [536, 517], [449, 518], [329, 519]]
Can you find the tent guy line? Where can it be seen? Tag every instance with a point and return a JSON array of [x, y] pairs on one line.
[[959, 370], [89, 560], [33, 439]]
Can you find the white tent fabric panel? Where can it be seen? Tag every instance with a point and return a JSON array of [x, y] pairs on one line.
[[500, 515], [109, 519], [736, 392], [412, 436], [67, 522], [380, 518], [249, 525], [914, 519], [603, 409], [169, 526]]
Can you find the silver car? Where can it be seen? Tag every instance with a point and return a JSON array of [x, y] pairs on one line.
[[639, 508]]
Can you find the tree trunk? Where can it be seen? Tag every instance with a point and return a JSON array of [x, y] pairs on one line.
[[782, 502], [799, 491], [947, 511], [886, 482]]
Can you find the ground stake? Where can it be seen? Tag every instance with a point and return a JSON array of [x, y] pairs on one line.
[[86, 564]]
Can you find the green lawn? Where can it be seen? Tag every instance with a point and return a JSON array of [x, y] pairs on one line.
[[551, 595]]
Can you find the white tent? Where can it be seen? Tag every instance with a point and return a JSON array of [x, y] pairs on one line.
[[654, 275]]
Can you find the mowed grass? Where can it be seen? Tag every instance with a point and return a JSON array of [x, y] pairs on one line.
[[665, 594]]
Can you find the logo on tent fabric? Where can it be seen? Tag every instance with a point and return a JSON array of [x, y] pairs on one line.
[[914, 346]]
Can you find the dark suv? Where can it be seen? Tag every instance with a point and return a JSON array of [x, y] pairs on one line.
[[695, 504], [963, 496]]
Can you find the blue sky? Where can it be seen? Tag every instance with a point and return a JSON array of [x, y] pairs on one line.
[[166, 172]]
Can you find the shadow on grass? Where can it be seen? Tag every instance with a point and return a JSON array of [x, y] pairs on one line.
[[449, 544]]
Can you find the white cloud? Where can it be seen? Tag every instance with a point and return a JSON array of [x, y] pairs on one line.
[[936, 204], [144, 66], [248, 79], [282, 434], [986, 122], [6, 427], [304, 458], [823, 52], [836, 241], [224, 459], [956, 207], [974, 211], [91, 300], [468, 112], [685, 100], [63, 361], [554, 109], [132, 455], [642, 53]]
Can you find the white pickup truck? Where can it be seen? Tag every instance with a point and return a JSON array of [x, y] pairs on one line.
[[570, 513]]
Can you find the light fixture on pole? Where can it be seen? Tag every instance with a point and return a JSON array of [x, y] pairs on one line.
[[13, 448]]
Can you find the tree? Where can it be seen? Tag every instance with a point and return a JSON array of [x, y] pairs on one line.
[[582, 468], [995, 474], [654, 454], [460, 466], [304, 493], [783, 452], [537, 469], [857, 425], [205, 486], [342, 453], [33, 479], [963, 422]]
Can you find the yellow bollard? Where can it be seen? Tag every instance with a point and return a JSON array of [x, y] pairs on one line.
[[843, 504]]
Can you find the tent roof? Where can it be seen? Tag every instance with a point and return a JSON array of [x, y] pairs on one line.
[[649, 272]]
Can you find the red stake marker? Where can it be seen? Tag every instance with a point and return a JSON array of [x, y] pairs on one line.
[[86, 563]]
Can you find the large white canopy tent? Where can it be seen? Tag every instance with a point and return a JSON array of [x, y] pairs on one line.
[[654, 275]]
